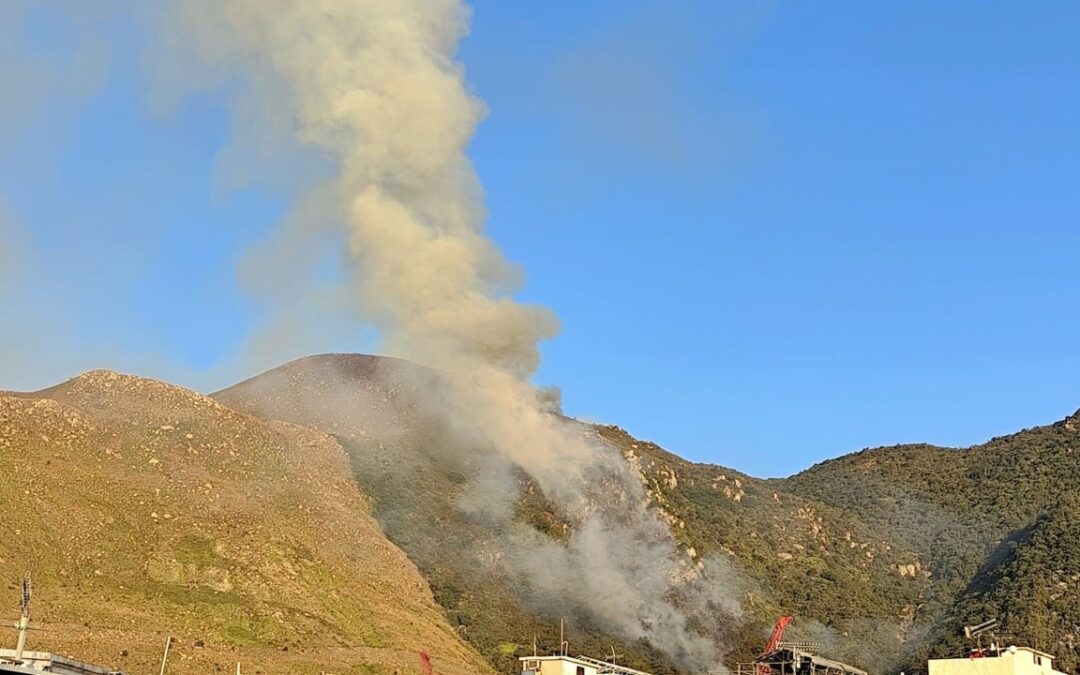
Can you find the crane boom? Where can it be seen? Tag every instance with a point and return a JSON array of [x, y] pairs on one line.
[[777, 634], [774, 642]]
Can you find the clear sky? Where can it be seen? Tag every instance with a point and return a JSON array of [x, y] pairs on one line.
[[773, 233]]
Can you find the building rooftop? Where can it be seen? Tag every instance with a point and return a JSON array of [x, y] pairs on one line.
[[47, 662], [555, 657], [996, 660], [792, 660], [994, 651], [601, 667]]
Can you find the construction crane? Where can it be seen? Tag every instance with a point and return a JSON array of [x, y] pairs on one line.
[[774, 641]]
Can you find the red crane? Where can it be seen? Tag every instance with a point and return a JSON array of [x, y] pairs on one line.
[[774, 641]]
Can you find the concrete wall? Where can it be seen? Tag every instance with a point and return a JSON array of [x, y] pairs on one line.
[[1022, 662], [561, 667]]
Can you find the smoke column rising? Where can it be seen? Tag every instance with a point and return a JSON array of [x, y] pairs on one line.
[[373, 86]]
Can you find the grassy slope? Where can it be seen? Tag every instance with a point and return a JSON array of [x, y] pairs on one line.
[[144, 510]]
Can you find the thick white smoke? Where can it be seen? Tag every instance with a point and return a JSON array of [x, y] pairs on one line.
[[374, 88]]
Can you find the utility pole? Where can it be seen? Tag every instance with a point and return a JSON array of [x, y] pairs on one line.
[[165, 658], [24, 620]]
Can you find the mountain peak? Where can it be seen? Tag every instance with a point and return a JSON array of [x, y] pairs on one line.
[[1072, 422], [102, 388]]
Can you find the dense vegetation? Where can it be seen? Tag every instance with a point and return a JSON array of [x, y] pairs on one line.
[[966, 513], [1030, 585]]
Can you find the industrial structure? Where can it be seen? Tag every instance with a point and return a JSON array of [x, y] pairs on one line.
[[789, 658], [797, 660]]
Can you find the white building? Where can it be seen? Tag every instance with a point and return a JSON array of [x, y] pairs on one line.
[[1011, 661], [555, 665], [35, 663], [572, 665]]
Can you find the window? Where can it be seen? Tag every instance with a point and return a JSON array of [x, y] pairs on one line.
[[581, 670]]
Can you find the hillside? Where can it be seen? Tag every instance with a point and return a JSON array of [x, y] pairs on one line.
[[849, 585], [882, 554], [963, 512], [783, 552], [250, 525], [146, 510], [404, 458], [1030, 584]]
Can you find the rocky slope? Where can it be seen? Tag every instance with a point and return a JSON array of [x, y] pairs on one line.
[[145, 510]]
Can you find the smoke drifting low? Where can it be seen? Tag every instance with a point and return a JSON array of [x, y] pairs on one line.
[[372, 87]]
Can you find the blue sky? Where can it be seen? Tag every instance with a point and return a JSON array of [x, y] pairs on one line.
[[773, 233]]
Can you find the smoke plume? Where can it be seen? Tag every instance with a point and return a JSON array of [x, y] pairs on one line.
[[372, 88]]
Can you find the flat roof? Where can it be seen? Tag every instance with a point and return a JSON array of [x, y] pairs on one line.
[[1001, 651], [31, 658], [595, 664], [794, 655], [556, 657], [1034, 651]]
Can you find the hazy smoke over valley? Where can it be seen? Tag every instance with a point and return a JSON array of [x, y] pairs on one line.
[[372, 86]]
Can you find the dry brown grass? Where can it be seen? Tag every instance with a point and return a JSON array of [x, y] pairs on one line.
[[147, 510]]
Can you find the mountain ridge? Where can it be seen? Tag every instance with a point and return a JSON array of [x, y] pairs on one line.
[[884, 593], [883, 554]]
